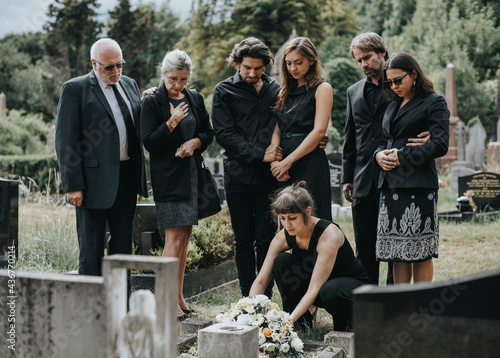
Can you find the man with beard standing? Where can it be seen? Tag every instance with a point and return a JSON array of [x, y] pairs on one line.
[[243, 124], [363, 130]]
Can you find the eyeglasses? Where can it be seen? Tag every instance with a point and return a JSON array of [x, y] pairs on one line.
[[182, 81], [396, 82], [110, 67]]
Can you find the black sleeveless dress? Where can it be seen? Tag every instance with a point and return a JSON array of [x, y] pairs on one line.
[[346, 264], [295, 123], [293, 272]]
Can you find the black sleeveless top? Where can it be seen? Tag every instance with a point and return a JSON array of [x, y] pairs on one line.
[[346, 264]]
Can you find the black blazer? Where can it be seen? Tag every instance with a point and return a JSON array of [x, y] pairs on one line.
[[363, 130], [87, 141], [417, 169], [170, 175]]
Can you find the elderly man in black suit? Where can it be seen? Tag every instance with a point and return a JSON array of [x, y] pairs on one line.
[[100, 155], [363, 130]]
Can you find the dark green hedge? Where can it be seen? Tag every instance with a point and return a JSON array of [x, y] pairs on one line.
[[40, 168]]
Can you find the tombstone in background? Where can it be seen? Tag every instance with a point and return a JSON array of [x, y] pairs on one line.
[[335, 163], [458, 171], [451, 100], [453, 318], [484, 187], [475, 149], [493, 162], [9, 216]]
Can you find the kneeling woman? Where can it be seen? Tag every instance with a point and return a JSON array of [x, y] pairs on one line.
[[321, 271]]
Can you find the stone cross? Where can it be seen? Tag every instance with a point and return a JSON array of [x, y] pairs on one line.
[[461, 132]]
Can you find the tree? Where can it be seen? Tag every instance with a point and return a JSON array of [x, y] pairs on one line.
[[166, 33], [342, 73], [71, 31], [133, 31]]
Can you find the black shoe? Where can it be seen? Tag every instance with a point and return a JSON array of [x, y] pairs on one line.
[[182, 318], [188, 311]]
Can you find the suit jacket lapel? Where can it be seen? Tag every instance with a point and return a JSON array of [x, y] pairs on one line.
[[412, 103], [100, 94], [389, 115]]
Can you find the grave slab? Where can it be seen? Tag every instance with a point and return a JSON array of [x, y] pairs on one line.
[[193, 325], [485, 188], [452, 318], [342, 340], [331, 352], [228, 341]]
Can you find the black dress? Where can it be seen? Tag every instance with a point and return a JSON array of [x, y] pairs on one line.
[[293, 272], [295, 123]]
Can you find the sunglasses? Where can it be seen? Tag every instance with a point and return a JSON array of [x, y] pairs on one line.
[[110, 67], [396, 82]]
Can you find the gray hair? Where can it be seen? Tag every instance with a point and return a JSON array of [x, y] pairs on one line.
[[175, 60], [97, 47]]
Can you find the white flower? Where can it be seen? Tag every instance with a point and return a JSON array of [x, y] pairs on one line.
[[273, 315], [243, 319], [293, 335], [223, 318], [250, 309], [281, 337], [269, 347], [285, 348], [297, 344], [273, 326], [256, 320], [262, 299], [262, 338]]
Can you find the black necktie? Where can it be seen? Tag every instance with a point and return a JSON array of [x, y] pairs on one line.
[[133, 143]]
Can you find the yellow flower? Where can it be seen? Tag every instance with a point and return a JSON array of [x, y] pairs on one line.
[[275, 306], [267, 332]]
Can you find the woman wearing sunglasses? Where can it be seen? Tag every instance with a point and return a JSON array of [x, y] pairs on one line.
[[408, 233]]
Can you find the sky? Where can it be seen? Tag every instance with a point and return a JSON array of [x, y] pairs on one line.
[[18, 16]]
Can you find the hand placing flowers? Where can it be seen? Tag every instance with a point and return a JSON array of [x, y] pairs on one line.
[[276, 336]]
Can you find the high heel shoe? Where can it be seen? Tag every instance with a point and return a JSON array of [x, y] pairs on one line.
[[188, 311], [182, 318]]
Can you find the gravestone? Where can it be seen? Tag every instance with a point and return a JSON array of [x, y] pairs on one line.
[[457, 171], [228, 341], [484, 187], [145, 233], [453, 318], [493, 162], [9, 215], [335, 163], [475, 149]]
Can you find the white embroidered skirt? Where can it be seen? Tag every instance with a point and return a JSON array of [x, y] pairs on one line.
[[408, 229]]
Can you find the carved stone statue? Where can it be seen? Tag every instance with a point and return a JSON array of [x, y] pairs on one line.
[[136, 333]]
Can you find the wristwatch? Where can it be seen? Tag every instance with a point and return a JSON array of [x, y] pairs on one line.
[[173, 123]]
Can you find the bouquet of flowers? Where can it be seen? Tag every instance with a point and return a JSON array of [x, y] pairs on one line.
[[276, 335]]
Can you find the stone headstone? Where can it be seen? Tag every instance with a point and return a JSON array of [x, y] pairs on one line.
[[145, 221], [9, 216], [454, 318], [228, 341], [474, 149], [493, 163], [484, 188], [461, 132], [458, 170], [335, 163]]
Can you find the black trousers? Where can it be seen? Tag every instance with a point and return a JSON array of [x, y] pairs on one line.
[[365, 219], [91, 225], [293, 275], [253, 229]]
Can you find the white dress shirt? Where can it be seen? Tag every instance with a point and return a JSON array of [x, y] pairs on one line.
[[117, 113]]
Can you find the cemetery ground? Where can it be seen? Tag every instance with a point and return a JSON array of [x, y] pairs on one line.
[[47, 243]]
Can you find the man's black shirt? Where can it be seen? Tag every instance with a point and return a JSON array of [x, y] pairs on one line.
[[243, 122]]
